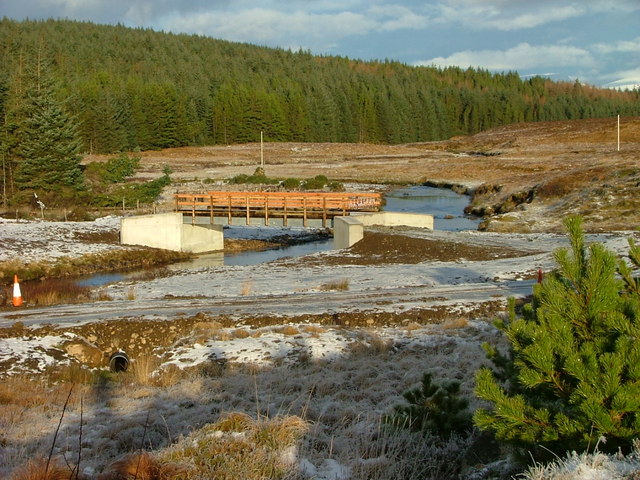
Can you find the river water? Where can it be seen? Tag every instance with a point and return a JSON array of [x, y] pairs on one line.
[[446, 206]]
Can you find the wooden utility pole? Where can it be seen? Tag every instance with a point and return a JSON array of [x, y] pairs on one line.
[[261, 152]]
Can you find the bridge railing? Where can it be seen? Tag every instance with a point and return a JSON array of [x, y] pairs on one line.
[[277, 204]]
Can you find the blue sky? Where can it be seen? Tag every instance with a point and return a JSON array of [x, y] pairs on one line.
[[594, 41]]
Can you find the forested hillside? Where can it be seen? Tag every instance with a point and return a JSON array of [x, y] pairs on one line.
[[136, 88]]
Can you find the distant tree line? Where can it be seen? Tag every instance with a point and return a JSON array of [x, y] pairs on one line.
[[124, 89]]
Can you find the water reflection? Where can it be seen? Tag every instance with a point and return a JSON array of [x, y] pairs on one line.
[[446, 206], [217, 259]]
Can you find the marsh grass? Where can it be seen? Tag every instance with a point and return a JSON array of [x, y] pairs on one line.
[[106, 261], [23, 391], [54, 292], [73, 373]]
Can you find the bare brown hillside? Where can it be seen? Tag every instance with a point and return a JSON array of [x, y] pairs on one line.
[[524, 177]]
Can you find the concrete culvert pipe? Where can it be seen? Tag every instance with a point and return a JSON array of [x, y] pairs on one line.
[[119, 362]]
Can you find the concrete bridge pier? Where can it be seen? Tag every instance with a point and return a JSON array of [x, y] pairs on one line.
[[348, 231], [168, 231]]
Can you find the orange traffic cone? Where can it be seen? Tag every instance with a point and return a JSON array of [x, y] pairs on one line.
[[17, 296]]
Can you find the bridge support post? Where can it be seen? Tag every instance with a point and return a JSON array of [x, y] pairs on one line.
[[304, 212], [284, 218], [324, 212]]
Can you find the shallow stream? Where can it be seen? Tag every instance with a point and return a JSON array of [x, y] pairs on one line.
[[446, 206]]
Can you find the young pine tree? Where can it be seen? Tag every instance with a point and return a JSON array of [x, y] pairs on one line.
[[433, 408], [571, 380]]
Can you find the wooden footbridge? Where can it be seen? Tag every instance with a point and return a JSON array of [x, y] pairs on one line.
[[284, 205]]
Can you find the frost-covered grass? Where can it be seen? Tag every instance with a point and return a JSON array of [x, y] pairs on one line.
[[588, 466], [338, 402]]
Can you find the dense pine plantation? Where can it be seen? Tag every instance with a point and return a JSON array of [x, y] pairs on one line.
[[70, 88], [137, 88]]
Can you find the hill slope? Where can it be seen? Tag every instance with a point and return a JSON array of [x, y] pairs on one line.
[[135, 88]]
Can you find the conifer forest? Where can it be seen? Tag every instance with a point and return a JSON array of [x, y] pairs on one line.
[[136, 88], [71, 88]]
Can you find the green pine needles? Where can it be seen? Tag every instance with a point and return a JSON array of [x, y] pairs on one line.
[[572, 376], [437, 409]]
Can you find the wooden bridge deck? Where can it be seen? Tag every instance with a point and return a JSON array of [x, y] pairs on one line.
[[285, 205]]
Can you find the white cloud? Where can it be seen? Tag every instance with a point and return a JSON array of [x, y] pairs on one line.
[[296, 27], [624, 79], [514, 16], [397, 17], [261, 24], [520, 57], [623, 46]]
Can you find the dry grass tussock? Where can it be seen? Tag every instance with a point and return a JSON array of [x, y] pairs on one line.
[[130, 293], [42, 469], [456, 322], [26, 392], [339, 285], [238, 446], [246, 288], [369, 342], [142, 369], [144, 466]]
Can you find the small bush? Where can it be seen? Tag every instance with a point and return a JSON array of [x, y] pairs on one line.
[[336, 187], [291, 184], [114, 170], [316, 183]]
